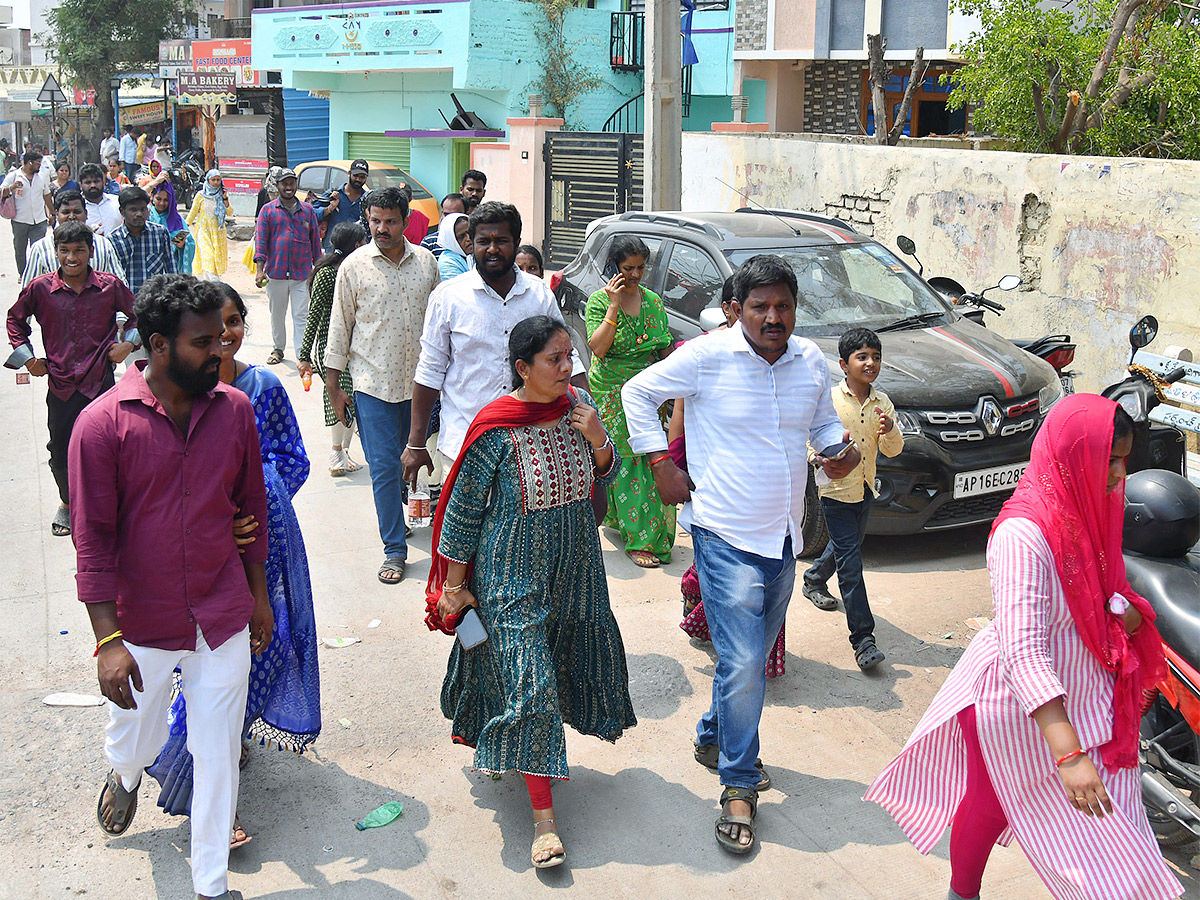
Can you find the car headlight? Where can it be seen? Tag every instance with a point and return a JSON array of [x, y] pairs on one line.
[[1049, 395], [910, 425]]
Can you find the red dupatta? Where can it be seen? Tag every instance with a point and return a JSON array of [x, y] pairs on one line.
[[507, 412], [1065, 491]]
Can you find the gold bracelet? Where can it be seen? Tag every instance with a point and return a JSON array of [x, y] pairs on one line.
[[446, 589], [112, 637], [610, 322]]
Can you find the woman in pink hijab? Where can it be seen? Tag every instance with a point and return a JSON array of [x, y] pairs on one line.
[[1035, 733]]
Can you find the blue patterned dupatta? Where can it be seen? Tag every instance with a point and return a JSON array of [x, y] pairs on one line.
[[283, 707]]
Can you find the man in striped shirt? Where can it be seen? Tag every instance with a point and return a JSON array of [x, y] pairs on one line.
[[68, 207], [756, 395]]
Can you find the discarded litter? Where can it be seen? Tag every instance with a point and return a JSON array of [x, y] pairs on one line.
[[947, 635], [73, 700], [339, 641], [923, 646], [328, 848], [345, 723], [381, 816], [978, 622], [374, 623], [929, 671], [62, 632]]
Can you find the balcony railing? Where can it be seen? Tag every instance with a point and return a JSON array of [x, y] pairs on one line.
[[231, 28], [627, 41]]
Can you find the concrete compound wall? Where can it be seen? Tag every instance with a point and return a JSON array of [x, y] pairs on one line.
[[1099, 242]]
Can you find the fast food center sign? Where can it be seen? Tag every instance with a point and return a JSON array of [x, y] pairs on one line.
[[225, 56]]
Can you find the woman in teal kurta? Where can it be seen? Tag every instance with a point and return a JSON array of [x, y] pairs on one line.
[[519, 510], [627, 331]]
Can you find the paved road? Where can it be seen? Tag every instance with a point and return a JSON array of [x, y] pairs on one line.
[[636, 816]]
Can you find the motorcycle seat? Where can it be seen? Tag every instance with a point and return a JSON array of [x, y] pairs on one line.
[[1173, 588]]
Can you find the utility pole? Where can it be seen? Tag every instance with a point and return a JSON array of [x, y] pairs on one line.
[[663, 157]]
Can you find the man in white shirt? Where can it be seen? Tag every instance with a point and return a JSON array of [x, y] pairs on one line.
[[68, 207], [755, 397], [110, 146], [379, 303], [127, 151], [31, 192], [464, 347], [103, 210]]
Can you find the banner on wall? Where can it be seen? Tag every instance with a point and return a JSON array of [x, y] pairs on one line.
[[206, 88], [225, 56], [174, 57]]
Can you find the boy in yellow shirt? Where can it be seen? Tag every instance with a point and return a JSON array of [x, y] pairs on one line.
[[869, 416]]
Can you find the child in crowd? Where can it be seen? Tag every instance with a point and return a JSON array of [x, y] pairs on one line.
[[871, 419]]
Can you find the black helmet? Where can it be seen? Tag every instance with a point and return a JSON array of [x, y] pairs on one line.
[[1162, 513]]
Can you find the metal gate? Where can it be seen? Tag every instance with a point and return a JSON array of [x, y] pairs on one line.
[[588, 175]]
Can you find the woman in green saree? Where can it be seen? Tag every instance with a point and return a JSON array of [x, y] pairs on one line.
[[628, 331]]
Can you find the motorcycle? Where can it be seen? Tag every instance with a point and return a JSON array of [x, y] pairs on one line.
[[1056, 349], [1162, 563], [187, 175]]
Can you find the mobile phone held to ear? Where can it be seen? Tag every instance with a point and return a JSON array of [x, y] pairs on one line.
[[470, 630], [610, 269], [837, 451]]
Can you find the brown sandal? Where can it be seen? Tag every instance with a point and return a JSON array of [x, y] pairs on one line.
[[643, 558]]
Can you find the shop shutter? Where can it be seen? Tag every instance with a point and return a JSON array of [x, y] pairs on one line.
[[365, 145]]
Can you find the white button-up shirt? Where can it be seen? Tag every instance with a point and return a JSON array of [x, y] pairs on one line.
[[464, 347], [748, 423], [29, 195], [104, 216]]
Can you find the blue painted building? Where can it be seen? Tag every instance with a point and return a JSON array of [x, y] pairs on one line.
[[389, 68]]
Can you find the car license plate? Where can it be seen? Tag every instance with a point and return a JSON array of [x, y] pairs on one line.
[[988, 481]]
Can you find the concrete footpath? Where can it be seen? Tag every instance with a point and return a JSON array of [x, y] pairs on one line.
[[636, 817]]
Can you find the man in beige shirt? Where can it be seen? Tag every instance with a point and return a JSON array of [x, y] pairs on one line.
[[375, 327], [870, 418]]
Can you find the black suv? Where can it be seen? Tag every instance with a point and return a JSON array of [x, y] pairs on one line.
[[968, 401]]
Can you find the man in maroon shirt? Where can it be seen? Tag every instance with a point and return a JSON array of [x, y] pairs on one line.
[[76, 309], [159, 467]]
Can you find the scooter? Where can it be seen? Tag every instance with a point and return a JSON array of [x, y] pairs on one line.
[[1162, 563], [1056, 349]]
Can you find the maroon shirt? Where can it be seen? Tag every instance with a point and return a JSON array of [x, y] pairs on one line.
[[77, 329], [152, 512]]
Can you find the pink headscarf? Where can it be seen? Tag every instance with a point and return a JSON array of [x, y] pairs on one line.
[[1065, 491]]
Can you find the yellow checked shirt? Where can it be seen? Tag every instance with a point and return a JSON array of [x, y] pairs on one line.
[[862, 422]]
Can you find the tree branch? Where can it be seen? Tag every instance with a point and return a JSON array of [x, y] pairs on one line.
[[1121, 21], [877, 77], [1040, 110], [916, 76]]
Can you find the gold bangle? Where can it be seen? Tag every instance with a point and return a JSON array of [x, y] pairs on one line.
[[112, 637], [446, 589], [610, 322]]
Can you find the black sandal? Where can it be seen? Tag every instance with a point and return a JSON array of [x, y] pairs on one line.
[[60, 526], [707, 754], [730, 843], [124, 804], [867, 655]]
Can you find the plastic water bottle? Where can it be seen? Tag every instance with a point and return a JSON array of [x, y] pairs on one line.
[[419, 506]]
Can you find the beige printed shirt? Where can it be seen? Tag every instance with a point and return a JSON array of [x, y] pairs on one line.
[[862, 422], [377, 316]]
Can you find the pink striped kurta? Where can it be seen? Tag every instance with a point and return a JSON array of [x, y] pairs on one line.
[[1030, 654]]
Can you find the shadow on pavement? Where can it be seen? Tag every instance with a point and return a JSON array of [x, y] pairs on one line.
[[657, 684], [280, 787], [937, 551]]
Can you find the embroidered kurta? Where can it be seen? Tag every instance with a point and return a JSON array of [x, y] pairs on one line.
[[520, 509], [1030, 654], [212, 245], [316, 334], [284, 702], [634, 506]]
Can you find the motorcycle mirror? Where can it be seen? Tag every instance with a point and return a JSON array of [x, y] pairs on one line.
[[711, 318], [1142, 333], [907, 245], [1009, 282]]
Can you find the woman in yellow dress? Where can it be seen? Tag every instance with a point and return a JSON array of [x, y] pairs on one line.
[[207, 221]]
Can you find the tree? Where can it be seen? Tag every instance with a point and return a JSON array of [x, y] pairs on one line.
[[1106, 77], [878, 77], [96, 40], [563, 79]]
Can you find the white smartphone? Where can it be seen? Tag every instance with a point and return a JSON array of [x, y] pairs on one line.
[[470, 630]]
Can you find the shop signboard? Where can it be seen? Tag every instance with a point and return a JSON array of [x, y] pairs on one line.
[[85, 97], [142, 113], [206, 89], [225, 56], [174, 57]]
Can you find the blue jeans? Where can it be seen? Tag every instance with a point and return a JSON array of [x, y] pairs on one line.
[[847, 526], [745, 601], [383, 430]]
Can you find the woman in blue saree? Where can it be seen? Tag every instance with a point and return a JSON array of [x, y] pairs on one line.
[[283, 706], [164, 211]]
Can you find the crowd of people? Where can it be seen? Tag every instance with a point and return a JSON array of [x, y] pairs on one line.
[[460, 362]]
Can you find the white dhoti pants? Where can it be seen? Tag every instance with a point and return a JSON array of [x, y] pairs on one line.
[[215, 683]]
